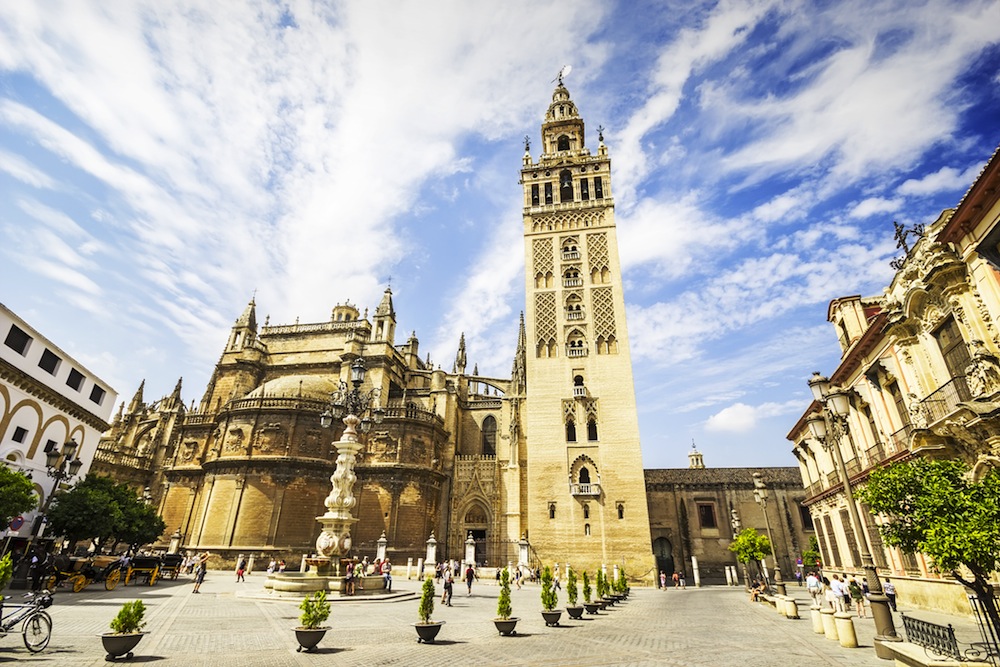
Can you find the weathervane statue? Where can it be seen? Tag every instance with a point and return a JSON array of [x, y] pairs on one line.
[[563, 72]]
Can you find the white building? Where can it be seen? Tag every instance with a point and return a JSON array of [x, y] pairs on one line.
[[47, 399]]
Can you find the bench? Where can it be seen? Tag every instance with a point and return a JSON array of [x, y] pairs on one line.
[[938, 641], [770, 599]]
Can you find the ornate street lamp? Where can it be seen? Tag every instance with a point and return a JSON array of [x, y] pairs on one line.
[[356, 409], [760, 495], [829, 428]]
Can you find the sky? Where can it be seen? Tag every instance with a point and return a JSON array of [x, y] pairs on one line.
[[163, 162]]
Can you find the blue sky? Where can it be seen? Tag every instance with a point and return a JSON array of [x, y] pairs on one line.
[[160, 161]]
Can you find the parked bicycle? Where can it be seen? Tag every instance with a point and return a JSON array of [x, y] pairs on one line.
[[36, 624]]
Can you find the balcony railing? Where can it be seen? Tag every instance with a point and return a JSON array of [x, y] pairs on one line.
[[571, 254], [875, 454], [585, 489], [579, 392], [832, 479], [853, 467], [576, 352], [900, 440], [943, 402], [572, 282], [574, 315]]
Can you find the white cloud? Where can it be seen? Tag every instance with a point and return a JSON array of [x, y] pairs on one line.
[[943, 180], [873, 206], [24, 171], [743, 418]]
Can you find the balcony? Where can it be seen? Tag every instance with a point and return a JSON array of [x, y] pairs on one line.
[[579, 392], [900, 440], [576, 352], [589, 490], [875, 454], [574, 315], [943, 402], [571, 254], [832, 479], [572, 282], [853, 467]]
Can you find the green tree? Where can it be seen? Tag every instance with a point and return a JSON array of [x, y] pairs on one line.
[[572, 589], [17, 494], [933, 507], [549, 596], [811, 555], [750, 547], [586, 587], [426, 601], [503, 602], [101, 510]]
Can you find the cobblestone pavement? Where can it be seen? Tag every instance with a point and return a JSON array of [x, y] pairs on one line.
[[236, 624]]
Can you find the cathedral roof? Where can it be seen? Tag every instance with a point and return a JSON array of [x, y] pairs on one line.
[[306, 386], [701, 476]]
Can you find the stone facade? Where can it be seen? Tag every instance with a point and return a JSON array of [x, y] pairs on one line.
[[921, 368]]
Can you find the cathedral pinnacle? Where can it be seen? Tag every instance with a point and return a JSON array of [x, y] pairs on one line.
[[460, 358], [248, 319]]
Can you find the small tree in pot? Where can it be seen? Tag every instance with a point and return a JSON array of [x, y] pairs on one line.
[[592, 607], [427, 629], [315, 611], [572, 591], [549, 598], [504, 622], [127, 630]]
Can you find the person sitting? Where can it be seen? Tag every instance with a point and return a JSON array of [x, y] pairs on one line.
[[756, 590]]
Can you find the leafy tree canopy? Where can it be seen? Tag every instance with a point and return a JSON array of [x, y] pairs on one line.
[[932, 507], [17, 495], [99, 509], [750, 546]]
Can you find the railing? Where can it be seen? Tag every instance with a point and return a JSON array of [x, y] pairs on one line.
[[125, 460], [814, 489], [574, 315], [276, 403], [946, 398], [853, 467], [576, 352], [313, 328], [571, 254], [939, 639], [832, 479], [572, 282], [585, 489], [579, 392], [875, 453], [901, 439]]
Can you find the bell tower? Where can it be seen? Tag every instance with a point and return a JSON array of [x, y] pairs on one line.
[[586, 494]]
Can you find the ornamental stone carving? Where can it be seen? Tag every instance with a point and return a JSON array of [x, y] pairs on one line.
[[918, 412], [983, 372]]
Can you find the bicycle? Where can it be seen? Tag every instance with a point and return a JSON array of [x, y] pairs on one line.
[[36, 628]]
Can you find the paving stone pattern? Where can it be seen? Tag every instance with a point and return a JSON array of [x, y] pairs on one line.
[[237, 624]]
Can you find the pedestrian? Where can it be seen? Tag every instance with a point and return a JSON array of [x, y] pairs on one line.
[[281, 565], [683, 582], [517, 577], [448, 587], [272, 566], [470, 574], [815, 589], [858, 596], [677, 580], [200, 570], [349, 579], [889, 589], [387, 575], [798, 577], [38, 567], [839, 591], [362, 571], [241, 568], [663, 580]]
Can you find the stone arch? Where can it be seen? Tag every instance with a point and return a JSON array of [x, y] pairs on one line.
[[581, 463], [663, 552], [489, 436]]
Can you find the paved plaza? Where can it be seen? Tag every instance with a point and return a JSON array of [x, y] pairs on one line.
[[236, 624]]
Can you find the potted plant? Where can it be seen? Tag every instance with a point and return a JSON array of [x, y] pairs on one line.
[[127, 631], [572, 591], [504, 622], [602, 590], [549, 599], [315, 611], [427, 629], [592, 607]]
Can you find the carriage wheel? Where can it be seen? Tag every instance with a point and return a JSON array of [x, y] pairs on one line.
[[51, 582], [111, 581], [154, 575], [79, 582]]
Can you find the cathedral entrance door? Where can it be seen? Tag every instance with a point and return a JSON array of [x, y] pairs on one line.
[[664, 553]]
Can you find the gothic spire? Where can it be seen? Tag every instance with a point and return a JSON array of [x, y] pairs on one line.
[[248, 319], [136, 404], [460, 358]]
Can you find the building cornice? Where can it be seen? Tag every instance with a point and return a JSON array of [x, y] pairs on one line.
[[21, 380]]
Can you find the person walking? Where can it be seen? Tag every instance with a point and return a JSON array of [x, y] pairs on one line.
[[857, 596], [555, 578], [349, 579], [241, 569], [449, 580], [682, 581], [889, 589], [470, 574], [663, 580], [200, 570], [677, 580], [815, 589]]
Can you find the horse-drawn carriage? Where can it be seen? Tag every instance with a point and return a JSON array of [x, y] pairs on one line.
[[145, 567], [78, 573], [170, 565]]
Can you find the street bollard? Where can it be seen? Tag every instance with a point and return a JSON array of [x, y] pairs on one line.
[[817, 619], [791, 608], [829, 624], [845, 629], [779, 604]]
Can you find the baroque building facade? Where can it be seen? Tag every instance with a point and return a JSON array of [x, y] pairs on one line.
[[47, 399], [921, 367]]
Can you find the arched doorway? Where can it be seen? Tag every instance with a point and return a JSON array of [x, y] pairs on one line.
[[476, 522], [663, 551]]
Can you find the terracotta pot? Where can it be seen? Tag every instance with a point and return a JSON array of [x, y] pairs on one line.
[[426, 632], [308, 638], [119, 645], [505, 626]]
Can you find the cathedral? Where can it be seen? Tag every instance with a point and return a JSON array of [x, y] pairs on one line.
[[546, 461]]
